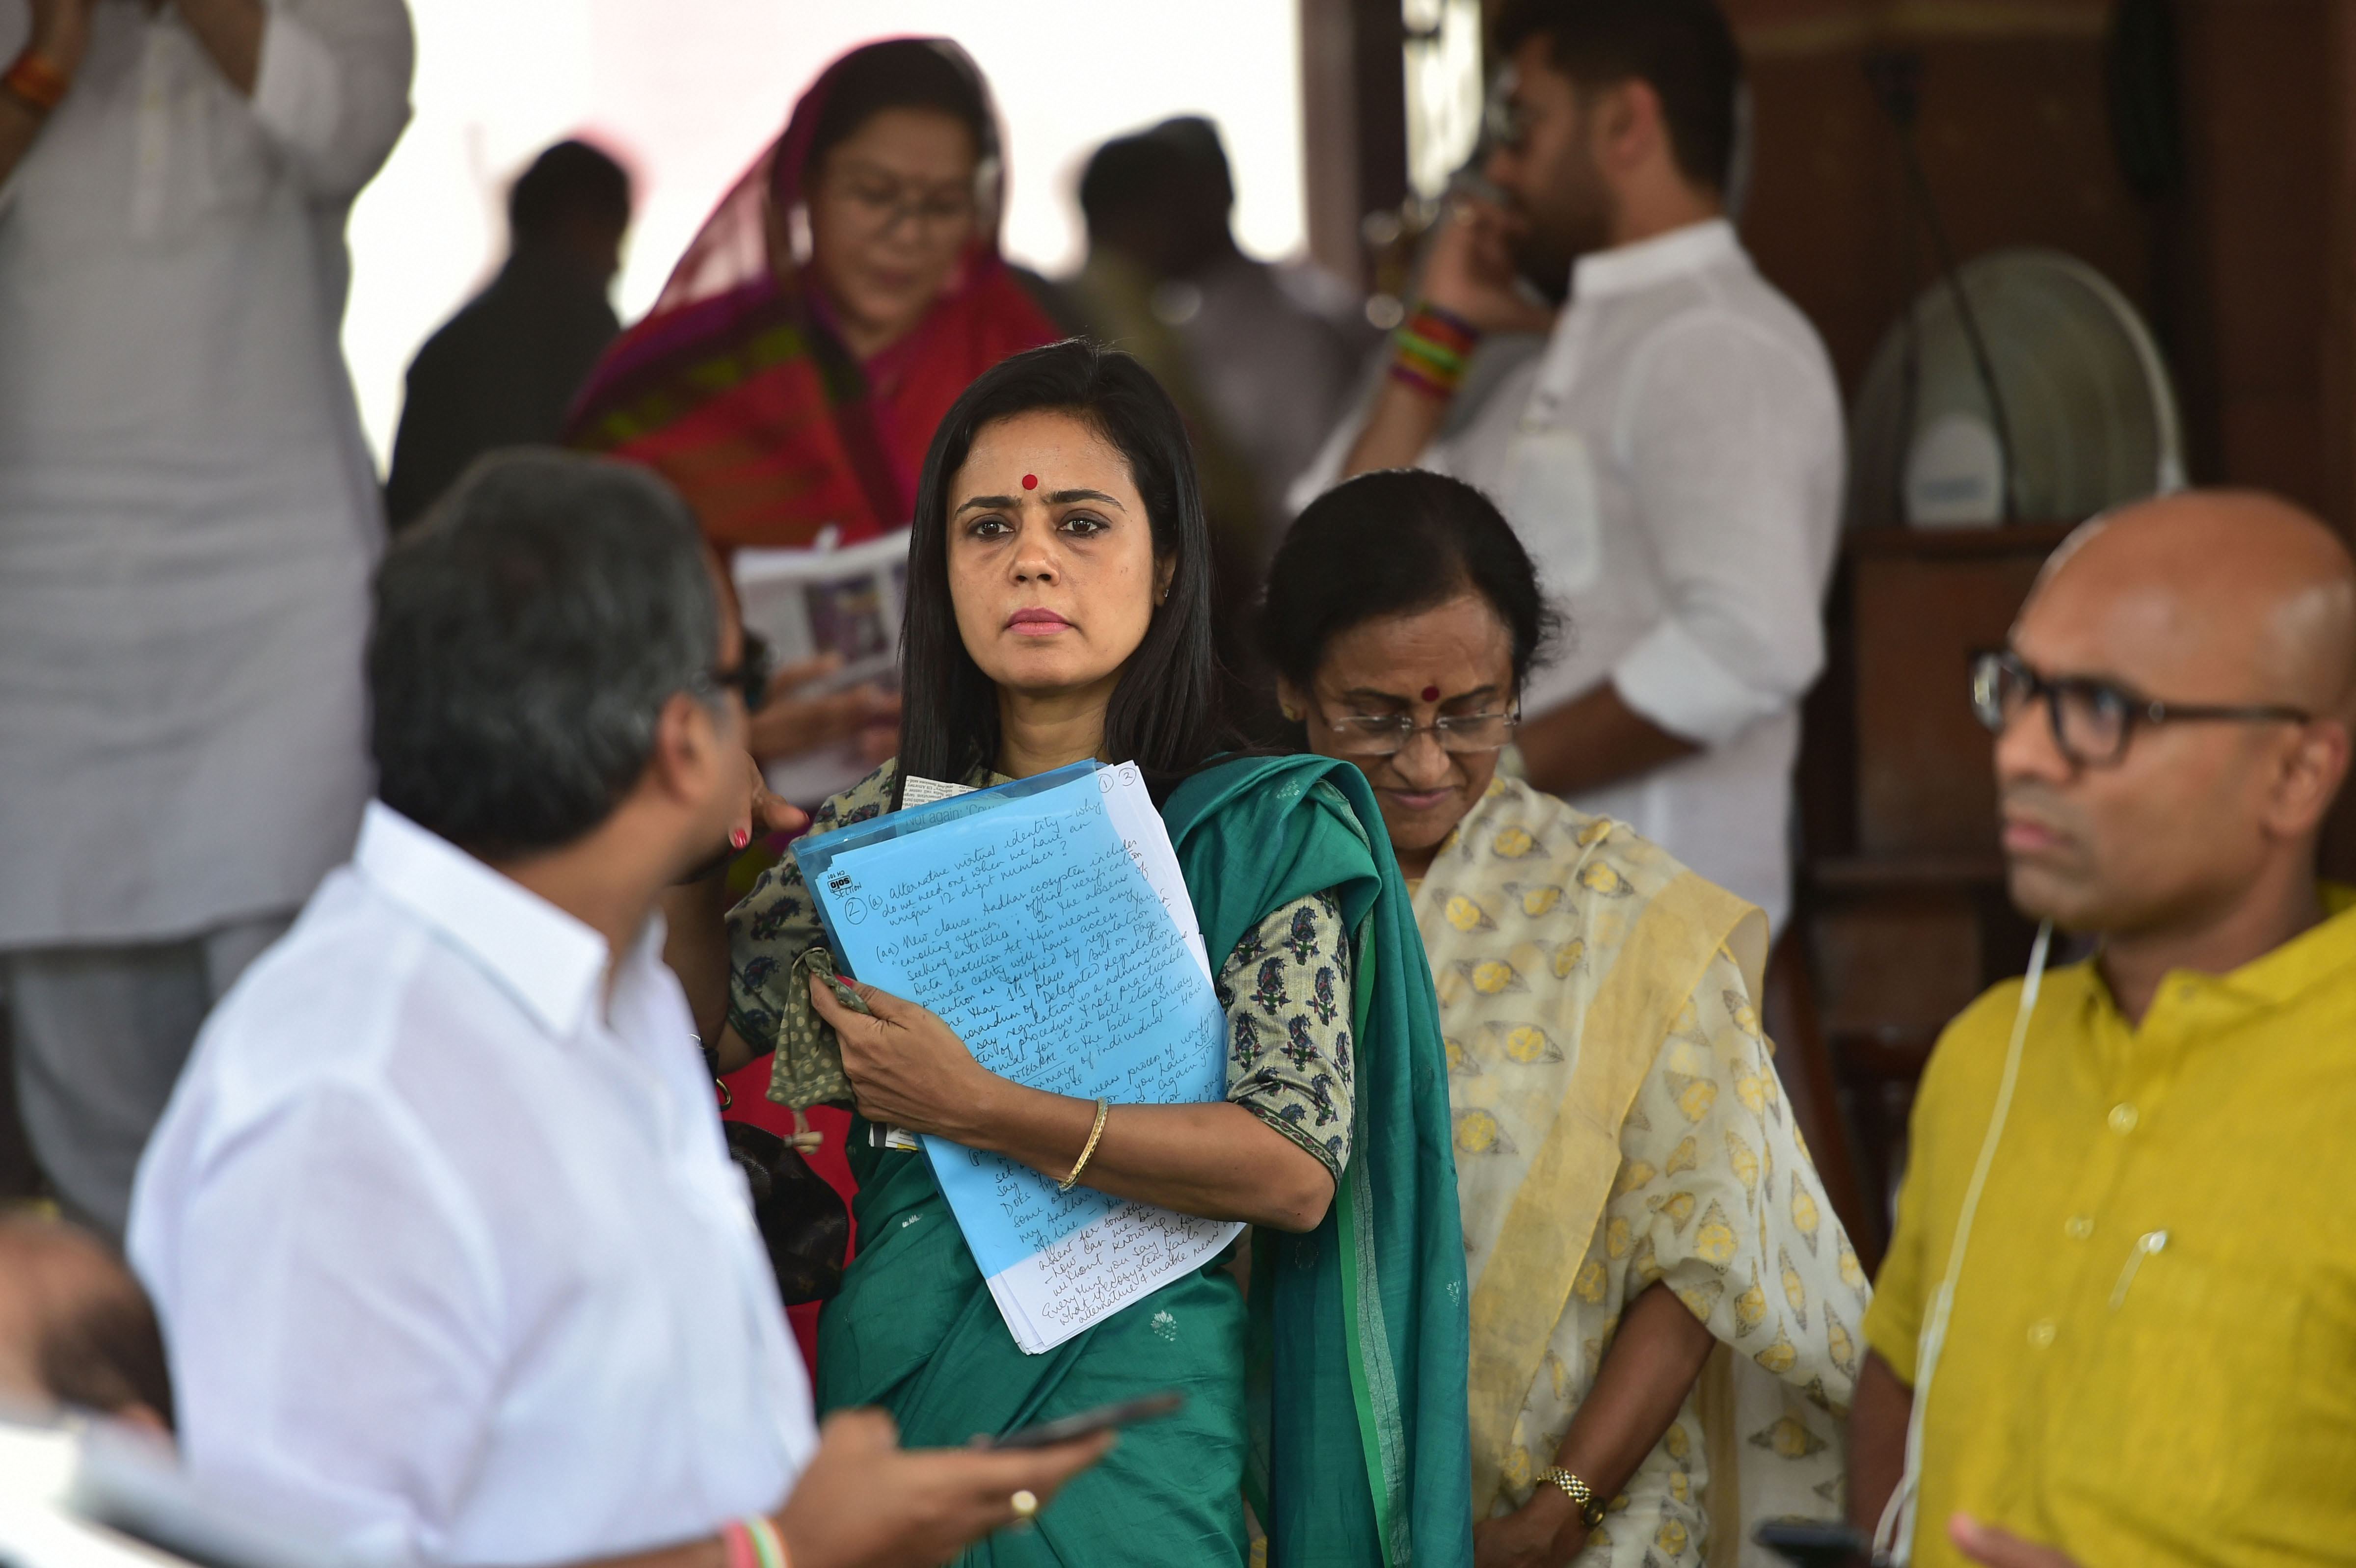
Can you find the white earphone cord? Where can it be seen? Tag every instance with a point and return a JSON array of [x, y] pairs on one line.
[[1893, 1538]]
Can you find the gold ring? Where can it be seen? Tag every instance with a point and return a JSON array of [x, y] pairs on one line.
[[1025, 1504]]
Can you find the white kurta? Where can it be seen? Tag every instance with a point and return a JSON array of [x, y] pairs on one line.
[[450, 1258], [1672, 459], [187, 514]]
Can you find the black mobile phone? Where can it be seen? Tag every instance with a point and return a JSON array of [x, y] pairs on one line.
[[1129, 1413], [1813, 1543]]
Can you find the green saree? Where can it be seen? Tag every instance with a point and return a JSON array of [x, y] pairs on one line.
[[1361, 1323]]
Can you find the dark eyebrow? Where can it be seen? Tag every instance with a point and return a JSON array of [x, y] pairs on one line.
[[1052, 497]]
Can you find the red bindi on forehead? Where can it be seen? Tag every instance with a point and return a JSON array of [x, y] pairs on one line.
[[1431, 694], [1029, 481]]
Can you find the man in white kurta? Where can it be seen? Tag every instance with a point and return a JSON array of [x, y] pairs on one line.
[[187, 519], [1670, 451], [453, 1264]]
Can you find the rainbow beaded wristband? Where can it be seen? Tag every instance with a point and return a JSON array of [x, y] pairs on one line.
[[1431, 350]]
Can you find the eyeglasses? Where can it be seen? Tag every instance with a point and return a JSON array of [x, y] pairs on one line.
[[2093, 720], [1388, 734], [887, 203], [749, 677]]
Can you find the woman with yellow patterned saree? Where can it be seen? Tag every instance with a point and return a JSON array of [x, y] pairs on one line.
[[1664, 1310]]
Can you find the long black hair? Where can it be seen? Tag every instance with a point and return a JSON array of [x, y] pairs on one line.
[[1164, 713], [1392, 543]]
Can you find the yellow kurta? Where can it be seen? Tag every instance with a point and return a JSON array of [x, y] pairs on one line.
[[2151, 1357], [1618, 1122]]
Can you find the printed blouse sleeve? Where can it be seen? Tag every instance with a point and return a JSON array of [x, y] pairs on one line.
[[1718, 1197], [774, 943], [1286, 992]]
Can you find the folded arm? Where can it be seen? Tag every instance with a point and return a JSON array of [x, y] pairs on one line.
[[1648, 1371], [328, 79], [1217, 1161], [1731, 443]]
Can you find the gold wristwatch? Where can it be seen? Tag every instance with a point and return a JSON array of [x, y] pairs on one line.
[[1582, 1496]]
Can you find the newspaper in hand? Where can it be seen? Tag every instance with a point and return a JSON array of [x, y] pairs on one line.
[[842, 600]]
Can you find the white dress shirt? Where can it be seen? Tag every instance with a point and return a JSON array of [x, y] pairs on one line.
[[450, 1258], [187, 513], [1673, 460]]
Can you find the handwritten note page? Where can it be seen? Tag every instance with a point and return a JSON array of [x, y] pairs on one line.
[[1147, 838], [1034, 931]]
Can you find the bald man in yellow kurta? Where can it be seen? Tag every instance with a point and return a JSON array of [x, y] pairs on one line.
[[2150, 1357]]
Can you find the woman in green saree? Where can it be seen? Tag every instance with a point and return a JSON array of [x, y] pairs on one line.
[[1059, 610]]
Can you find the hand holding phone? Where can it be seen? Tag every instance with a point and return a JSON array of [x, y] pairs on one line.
[[1104, 1417]]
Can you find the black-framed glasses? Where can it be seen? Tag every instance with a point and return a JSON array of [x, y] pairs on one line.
[[2093, 720], [1388, 734], [887, 202], [749, 677]]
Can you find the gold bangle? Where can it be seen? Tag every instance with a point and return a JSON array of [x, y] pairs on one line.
[[1581, 1495], [1103, 1107]]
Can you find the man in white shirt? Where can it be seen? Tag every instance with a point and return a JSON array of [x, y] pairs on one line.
[[1672, 456], [452, 1262], [187, 516]]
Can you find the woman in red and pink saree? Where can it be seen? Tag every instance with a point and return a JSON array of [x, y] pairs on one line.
[[830, 311]]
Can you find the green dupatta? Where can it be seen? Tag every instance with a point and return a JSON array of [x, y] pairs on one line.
[[1361, 1323]]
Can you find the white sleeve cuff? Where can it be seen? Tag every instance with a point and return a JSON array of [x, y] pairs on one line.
[[298, 87], [1673, 680]]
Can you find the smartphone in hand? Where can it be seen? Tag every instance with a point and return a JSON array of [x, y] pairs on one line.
[[1129, 1413], [1813, 1543]]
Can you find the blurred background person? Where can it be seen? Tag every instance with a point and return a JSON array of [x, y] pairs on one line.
[[1275, 350], [821, 322], [1673, 458], [505, 369], [190, 518], [1260, 358], [75, 1328], [841, 297]]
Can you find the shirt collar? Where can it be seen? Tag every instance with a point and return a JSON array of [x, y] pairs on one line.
[[549, 961], [2323, 951], [1624, 268], [2323, 954]]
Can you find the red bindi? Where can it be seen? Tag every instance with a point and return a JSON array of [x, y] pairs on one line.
[[1431, 694], [1029, 481]]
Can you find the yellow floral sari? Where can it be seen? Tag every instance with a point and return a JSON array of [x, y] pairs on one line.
[[1618, 1120]]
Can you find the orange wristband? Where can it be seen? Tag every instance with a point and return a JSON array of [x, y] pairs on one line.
[[41, 85]]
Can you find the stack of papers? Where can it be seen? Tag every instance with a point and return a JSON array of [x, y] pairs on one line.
[[1046, 921]]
